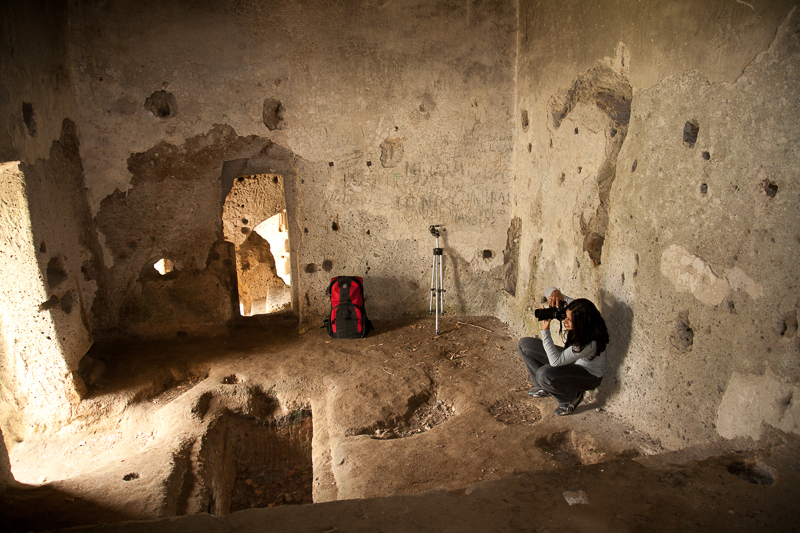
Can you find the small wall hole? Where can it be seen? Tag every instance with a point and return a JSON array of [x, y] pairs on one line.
[[162, 104], [272, 114], [487, 254], [690, 131]]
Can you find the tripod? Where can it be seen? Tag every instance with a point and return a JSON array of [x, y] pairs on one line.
[[437, 290]]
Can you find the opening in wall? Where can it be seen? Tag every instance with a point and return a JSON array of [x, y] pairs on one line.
[[254, 219], [164, 266]]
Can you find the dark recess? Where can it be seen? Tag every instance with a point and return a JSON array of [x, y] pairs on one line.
[[752, 473], [29, 118], [56, 273]]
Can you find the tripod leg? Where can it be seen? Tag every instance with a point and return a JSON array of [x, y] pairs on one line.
[[441, 285], [433, 286], [437, 296]]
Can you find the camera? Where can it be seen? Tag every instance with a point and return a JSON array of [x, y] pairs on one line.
[[552, 313]]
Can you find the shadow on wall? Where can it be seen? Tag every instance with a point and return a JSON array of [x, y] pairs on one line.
[[6, 477], [403, 303], [619, 320]]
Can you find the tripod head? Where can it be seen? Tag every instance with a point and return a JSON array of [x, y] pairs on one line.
[[434, 231]]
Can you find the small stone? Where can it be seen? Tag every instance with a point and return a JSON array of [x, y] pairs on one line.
[[577, 497]]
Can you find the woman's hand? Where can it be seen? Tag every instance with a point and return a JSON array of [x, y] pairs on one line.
[[555, 298], [544, 324]]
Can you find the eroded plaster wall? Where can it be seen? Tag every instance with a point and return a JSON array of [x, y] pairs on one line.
[[386, 117], [656, 173], [48, 251]]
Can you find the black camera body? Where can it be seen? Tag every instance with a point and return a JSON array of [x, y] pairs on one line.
[[552, 313]]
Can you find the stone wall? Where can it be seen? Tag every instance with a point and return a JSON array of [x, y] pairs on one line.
[[656, 173], [48, 251], [386, 117]]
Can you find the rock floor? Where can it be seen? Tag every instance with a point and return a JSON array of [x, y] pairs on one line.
[[403, 430]]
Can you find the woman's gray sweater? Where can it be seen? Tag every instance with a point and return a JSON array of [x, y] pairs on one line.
[[559, 357]]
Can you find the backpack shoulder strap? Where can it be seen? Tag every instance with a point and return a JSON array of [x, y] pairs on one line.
[[330, 285]]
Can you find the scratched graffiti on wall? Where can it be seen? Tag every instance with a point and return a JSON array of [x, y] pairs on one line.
[[454, 193]]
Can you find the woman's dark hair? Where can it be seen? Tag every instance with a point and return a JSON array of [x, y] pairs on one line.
[[587, 326]]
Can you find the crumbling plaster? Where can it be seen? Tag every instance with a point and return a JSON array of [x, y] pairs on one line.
[[48, 249], [697, 277], [397, 116]]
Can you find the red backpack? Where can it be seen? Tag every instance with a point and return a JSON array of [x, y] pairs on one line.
[[348, 317]]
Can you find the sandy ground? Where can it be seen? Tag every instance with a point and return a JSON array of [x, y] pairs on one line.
[[193, 426]]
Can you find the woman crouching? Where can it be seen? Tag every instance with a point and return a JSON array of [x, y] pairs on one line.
[[566, 373]]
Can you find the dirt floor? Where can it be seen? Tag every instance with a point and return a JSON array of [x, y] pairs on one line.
[[269, 417]]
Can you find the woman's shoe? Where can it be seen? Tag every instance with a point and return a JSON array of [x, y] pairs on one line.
[[538, 393], [563, 410]]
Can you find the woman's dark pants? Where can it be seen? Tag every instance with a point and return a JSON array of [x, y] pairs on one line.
[[564, 382]]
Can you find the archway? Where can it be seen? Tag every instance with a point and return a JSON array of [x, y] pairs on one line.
[[254, 220]]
